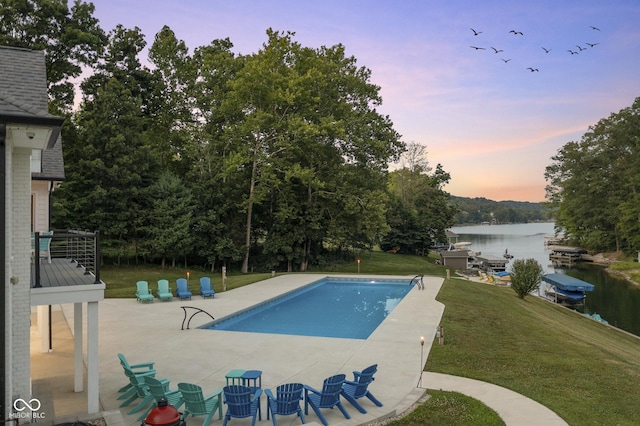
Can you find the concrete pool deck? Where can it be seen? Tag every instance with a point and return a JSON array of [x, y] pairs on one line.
[[152, 332]]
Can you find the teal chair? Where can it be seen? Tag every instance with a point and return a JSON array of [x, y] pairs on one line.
[[182, 289], [140, 369], [196, 404], [142, 292], [158, 390], [44, 245], [205, 288], [164, 291]]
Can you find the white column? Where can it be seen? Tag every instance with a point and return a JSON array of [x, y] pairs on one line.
[[42, 317], [78, 364], [92, 358]]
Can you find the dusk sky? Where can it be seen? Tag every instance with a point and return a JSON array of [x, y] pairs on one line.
[[492, 123]]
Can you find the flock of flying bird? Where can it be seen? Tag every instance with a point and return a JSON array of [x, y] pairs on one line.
[[520, 33]]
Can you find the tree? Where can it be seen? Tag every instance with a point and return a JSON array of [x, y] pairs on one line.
[[422, 210], [109, 167], [526, 275], [171, 206], [306, 127], [593, 184], [71, 39]]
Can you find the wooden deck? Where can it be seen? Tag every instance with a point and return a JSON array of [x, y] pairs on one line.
[[61, 272]]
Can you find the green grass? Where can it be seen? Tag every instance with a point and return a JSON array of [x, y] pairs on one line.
[[378, 262], [450, 408], [625, 266], [121, 281], [583, 370], [579, 368], [631, 269]]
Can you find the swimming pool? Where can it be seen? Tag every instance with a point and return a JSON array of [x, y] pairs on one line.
[[331, 307]]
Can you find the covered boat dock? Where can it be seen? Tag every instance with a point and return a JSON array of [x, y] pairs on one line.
[[566, 289]]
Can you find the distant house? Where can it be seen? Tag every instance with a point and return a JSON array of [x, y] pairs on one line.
[[30, 168], [457, 259], [452, 237]]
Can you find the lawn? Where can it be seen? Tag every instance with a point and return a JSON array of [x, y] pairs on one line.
[[585, 371]]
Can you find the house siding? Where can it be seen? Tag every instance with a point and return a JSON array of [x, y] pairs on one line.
[[40, 193]]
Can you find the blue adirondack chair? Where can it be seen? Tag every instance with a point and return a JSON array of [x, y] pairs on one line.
[[329, 397], [286, 401], [196, 404], [205, 288], [164, 291], [182, 289], [241, 403], [358, 387], [142, 292]]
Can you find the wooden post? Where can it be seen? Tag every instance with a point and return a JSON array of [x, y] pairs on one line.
[[448, 274], [224, 278], [441, 339]]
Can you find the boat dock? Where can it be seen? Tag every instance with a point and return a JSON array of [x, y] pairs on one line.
[[566, 290]]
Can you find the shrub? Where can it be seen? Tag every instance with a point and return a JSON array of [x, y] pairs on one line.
[[526, 275]]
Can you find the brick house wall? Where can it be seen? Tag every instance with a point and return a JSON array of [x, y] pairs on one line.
[[21, 269]]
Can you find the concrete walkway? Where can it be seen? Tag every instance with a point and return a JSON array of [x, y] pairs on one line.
[[152, 333], [513, 408]]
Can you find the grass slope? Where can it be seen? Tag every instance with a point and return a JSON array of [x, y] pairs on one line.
[[585, 371]]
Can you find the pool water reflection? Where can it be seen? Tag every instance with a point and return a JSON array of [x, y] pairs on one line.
[[331, 307]]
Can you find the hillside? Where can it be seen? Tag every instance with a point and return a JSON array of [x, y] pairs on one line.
[[478, 210]]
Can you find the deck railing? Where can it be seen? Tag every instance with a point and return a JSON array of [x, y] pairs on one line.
[[80, 247]]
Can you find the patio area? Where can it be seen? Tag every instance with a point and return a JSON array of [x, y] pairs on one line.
[[152, 332]]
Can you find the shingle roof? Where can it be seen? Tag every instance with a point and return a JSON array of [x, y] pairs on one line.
[[23, 81], [23, 92]]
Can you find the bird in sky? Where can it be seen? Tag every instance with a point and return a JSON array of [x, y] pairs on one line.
[[533, 69], [594, 28], [546, 50], [592, 44], [572, 52], [475, 33], [505, 60], [516, 32], [580, 48], [477, 48], [497, 50]]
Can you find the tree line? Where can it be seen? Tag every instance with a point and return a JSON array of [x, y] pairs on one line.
[[479, 210], [272, 160], [594, 184]]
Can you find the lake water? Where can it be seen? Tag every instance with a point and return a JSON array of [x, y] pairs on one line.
[[615, 299]]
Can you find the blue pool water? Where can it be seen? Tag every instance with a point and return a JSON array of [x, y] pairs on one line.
[[331, 307]]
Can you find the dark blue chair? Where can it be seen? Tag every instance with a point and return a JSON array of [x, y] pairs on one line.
[[329, 397], [358, 388], [286, 401], [241, 403], [182, 289]]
